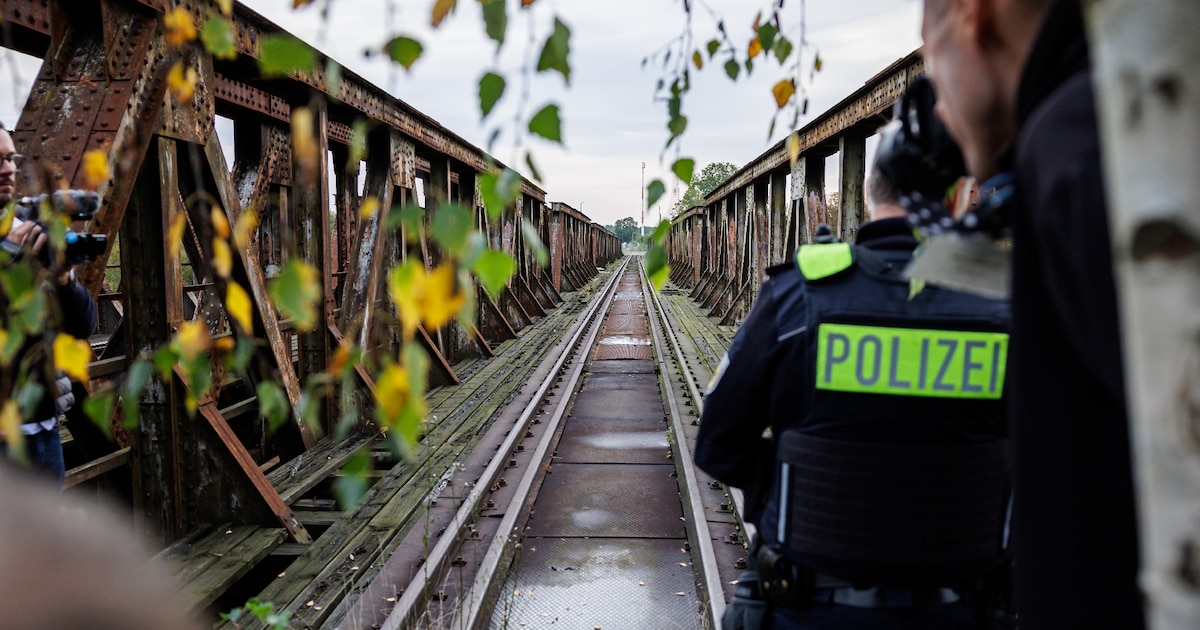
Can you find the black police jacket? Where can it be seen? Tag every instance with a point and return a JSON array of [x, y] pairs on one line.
[[857, 359], [1074, 519]]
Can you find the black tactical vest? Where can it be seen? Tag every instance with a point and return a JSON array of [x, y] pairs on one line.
[[897, 473]]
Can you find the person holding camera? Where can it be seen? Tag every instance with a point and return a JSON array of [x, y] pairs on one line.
[[881, 492], [1015, 91], [41, 443]]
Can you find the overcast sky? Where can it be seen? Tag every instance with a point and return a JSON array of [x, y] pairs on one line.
[[611, 122]]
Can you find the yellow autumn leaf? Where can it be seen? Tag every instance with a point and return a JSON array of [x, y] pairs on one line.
[[246, 225], [222, 261], [72, 356], [526, 3], [191, 339], [441, 9], [179, 27], [698, 60], [304, 142], [175, 234], [226, 7], [296, 4], [220, 224], [6, 221], [755, 48], [95, 169], [783, 91], [341, 357], [368, 207], [224, 344], [441, 297], [182, 83], [10, 427], [793, 147], [404, 285], [392, 391], [239, 307]]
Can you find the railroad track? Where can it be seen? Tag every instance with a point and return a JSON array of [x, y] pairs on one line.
[[588, 512]]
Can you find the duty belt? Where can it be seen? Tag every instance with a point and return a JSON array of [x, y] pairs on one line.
[[791, 585]]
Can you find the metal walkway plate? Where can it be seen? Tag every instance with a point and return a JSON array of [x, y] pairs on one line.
[[574, 584], [608, 501]]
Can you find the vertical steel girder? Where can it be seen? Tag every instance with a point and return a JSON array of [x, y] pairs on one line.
[[103, 87]]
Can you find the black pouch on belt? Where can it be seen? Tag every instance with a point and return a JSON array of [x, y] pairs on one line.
[[784, 583]]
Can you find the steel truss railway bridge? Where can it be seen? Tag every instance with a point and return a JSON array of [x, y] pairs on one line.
[[524, 401]]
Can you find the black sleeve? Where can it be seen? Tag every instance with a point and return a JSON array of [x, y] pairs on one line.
[[78, 310], [729, 445]]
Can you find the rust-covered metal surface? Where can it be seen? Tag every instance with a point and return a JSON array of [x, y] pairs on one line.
[[759, 216], [102, 86]]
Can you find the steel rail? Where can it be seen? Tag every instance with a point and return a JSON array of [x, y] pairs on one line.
[[469, 616], [735, 495], [406, 607], [696, 522]]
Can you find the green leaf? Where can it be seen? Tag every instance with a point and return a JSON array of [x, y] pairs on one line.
[[713, 47], [272, 404], [296, 292], [98, 408], [404, 50], [534, 242], [491, 88], [358, 144], [915, 287], [782, 49], [684, 168], [656, 258], [333, 77], [766, 35], [732, 69], [408, 217], [131, 391], [165, 359], [495, 19], [749, 66], [660, 231], [243, 353], [498, 190], [677, 125], [283, 54], [452, 223], [217, 35], [533, 170], [351, 485], [555, 50], [817, 63], [654, 192], [546, 124], [494, 268]]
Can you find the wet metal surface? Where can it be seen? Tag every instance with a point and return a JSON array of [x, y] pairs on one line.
[[605, 546], [577, 583], [608, 500]]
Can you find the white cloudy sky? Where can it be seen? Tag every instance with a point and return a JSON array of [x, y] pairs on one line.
[[611, 123]]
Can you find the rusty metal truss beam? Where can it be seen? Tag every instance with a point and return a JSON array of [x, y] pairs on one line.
[[866, 105]]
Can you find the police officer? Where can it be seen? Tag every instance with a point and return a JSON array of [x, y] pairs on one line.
[[863, 415]]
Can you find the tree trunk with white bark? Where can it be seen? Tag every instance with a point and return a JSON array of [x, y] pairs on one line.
[[1146, 58]]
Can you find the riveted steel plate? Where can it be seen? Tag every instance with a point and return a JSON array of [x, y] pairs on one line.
[[622, 351], [622, 367], [582, 584], [640, 500], [617, 418]]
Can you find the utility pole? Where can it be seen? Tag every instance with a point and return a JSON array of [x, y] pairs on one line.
[[643, 228]]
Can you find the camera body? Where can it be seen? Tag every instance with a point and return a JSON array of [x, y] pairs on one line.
[[918, 156], [78, 247]]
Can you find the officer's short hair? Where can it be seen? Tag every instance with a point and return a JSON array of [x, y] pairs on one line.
[[880, 190]]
